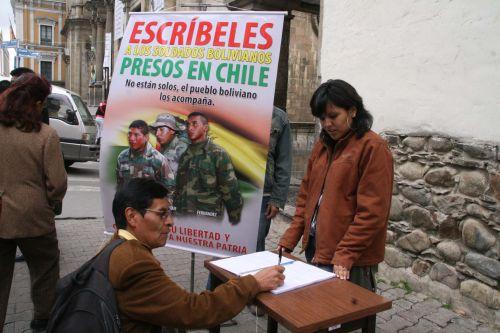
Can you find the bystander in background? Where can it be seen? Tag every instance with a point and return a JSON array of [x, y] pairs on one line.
[[277, 181], [34, 181], [99, 121]]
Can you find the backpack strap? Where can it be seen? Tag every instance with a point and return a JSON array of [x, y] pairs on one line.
[[101, 263]]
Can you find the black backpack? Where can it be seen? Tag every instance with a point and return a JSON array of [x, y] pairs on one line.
[[85, 299]]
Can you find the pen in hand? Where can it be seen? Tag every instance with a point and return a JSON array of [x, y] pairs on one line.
[[280, 254]]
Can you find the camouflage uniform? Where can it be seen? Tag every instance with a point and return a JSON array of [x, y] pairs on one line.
[[149, 164], [206, 181], [174, 150]]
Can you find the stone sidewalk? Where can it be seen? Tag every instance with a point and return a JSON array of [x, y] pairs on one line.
[[80, 239]]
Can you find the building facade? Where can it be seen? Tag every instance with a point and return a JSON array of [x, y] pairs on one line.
[[38, 26], [4, 59], [94, 26], [89, 21]]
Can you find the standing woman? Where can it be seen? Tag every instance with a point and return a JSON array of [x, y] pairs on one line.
[[343, 203], [33, 182]]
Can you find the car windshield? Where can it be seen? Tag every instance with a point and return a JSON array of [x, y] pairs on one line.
[[57, 106], [83, 111]]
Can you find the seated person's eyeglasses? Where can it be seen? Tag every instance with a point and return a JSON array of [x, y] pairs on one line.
[[162, 214]]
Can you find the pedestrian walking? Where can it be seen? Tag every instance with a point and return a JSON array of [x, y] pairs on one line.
[[99, 121], [33, 182]]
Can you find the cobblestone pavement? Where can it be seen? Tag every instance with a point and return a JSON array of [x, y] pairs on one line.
[[80, 239]]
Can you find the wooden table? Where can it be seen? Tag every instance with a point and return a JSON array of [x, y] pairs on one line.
[[316, 307]]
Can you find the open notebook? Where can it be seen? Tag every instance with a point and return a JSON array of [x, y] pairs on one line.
[[297, 273]]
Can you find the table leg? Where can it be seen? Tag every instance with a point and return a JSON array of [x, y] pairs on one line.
[[370, 324], [215, 329], [272, 325], [213, 282]]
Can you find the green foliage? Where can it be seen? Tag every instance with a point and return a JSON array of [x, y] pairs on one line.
[[408, 289], [447, 306], [403, 285]]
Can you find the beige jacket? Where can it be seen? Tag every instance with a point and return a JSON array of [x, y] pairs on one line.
[[33, 179]]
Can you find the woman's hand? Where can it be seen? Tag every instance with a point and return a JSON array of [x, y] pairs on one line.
[[341, 272]]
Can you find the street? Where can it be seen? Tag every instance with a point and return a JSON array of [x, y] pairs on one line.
[[80, 231], [83, 199]]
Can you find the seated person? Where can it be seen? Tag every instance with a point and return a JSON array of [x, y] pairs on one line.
[[147, 298]]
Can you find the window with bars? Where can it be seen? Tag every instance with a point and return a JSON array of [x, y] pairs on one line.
[[45, 34], [46, 69]]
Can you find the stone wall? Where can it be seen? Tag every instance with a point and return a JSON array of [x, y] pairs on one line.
[[444, 228], [303, 139], [302, 66]]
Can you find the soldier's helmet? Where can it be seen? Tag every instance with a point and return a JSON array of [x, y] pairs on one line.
[[167, 120]]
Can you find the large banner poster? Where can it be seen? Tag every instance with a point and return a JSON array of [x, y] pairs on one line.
[[190, 105]]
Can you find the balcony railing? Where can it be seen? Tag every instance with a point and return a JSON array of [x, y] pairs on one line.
[[46, 42]]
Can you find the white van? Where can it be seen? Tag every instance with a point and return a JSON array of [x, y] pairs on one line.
[[74, 124]]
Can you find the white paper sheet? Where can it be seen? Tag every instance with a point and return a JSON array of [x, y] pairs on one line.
[[297, 273], [242, 265]]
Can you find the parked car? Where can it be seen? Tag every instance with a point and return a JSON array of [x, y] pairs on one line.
[[74, 124]]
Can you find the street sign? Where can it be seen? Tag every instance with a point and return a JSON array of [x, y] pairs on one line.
[[25, 53], [119, 18], [9, 44], [107, 50]]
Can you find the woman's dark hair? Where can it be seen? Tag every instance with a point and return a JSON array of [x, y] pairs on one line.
[[101, 110], [4, 85], [343, 95], [16, 72], [137, 193], [18, 102]]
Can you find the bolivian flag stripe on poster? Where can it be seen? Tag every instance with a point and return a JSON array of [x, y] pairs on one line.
[[222, 66]]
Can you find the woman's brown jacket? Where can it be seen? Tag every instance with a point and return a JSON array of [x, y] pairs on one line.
[[357, 177]]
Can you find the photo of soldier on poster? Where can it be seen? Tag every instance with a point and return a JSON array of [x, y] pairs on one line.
[[206, 181], [198, 173], [141, 160]]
